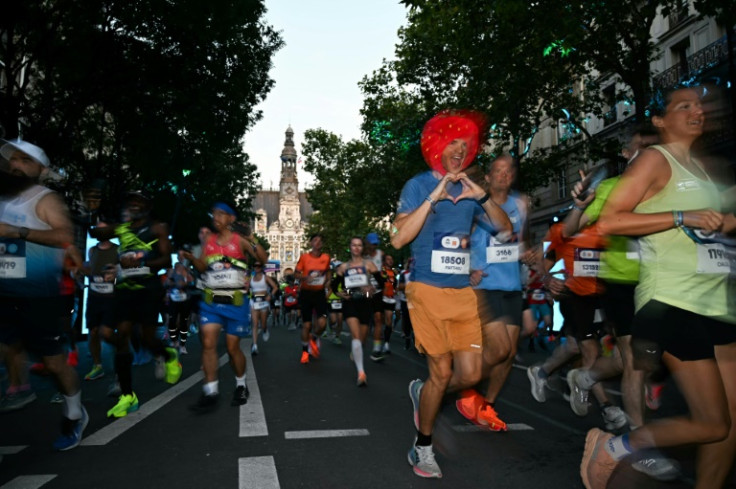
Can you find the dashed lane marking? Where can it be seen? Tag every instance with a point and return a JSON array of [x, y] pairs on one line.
[[257, 472], [471, 428], [303, 435], [252, 416], [28, 481], [11, 450], [105, 435]]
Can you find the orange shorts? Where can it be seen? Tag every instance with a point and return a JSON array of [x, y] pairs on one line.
[[444, 320]]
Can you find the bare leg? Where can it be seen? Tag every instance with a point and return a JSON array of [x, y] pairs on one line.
[[237, 357], [500, 372], [210, 333]]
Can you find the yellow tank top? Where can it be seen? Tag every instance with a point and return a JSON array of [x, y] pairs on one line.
[[674, 269]]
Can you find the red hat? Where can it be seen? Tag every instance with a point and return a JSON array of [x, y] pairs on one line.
[[447, 126]]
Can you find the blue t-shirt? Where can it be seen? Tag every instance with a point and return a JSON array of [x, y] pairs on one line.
[[441, 250], [498, 260]]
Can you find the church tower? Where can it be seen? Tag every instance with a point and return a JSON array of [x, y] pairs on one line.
[[289, 215]]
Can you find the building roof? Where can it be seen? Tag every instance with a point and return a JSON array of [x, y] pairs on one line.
[[269, 200]]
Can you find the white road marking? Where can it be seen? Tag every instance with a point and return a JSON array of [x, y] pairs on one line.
[[303, 435], [10, 450], [28, 481], [252, 416], [105, 435], [470, 428], [257, 473]]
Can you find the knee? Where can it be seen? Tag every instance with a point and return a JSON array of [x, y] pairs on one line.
[[497, 353], [468, 379]]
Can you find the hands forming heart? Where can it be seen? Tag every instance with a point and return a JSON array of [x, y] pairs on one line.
[[470, 189]]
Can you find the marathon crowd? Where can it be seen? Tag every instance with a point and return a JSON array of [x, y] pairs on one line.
[[649, 260]]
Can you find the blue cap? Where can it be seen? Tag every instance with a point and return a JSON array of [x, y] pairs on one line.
[[372, 238]]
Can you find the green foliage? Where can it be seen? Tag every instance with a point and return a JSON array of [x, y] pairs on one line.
[[135, 92]]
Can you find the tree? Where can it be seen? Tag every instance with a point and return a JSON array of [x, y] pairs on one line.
[[154, 95]]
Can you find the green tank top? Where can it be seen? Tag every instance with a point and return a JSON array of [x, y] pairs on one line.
[[674, 269]]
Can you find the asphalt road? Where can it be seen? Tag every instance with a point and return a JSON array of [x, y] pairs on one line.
[[305, 426]]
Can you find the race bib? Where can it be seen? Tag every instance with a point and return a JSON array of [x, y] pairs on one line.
[[290, 301], [538, 295], [102, 287], [716, 258], [227, 278], [135, 272], [277, 303], [259, 303], [316, 278], [337, 305], [451, 254], [389, 300], [177, 295], [587, 262], [355, 278], [502, 253], [12, 258]]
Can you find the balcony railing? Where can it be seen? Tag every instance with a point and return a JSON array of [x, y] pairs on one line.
[[708, 57]]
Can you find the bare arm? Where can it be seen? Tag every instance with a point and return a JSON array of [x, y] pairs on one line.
[[52, 210], [577, 219]]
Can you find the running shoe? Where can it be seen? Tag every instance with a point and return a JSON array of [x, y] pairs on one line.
[[362, 379], [183, 350], [386, 350], [57, 398], [377, 356], [127, 403], [17, 400], [614, 417], [657, 466], [597, 465], [578, 395], [415, 390], [73, 358], [96, 372], [114, 389], [488, 418], [159, 368], [305, 357], [314, 347], [292, 327], [423, 461], [267, 335], [469, 403], [173, 367], [653, 395], [253, 350], [205, 403], [240, 396], [71, 433], [538, 383], [38, 368]]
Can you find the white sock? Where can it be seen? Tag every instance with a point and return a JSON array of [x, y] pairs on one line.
[[357, 348], [240, 381], [211, 388], [73, 406], [618, 447]]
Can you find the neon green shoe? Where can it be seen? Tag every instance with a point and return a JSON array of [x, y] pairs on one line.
[[127, 403], [96, 372], [173, 367]]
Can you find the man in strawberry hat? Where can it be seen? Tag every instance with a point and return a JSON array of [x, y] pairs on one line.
[[435, 215]]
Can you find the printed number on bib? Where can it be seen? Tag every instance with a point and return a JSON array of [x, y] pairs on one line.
[[12, 258], [502, 253], [260, 303], [716, 259], [102, 288], [315, 278], [450, 254], [587, 262], [355, 278]]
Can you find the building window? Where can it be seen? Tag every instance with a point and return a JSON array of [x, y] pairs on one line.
[[609, 96], [562, 185]]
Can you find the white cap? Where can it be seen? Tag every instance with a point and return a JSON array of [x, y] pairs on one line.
[[31, 150]]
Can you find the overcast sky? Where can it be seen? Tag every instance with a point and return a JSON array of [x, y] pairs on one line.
[[329, 46]]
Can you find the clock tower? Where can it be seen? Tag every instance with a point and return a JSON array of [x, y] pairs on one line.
[[289, 216]]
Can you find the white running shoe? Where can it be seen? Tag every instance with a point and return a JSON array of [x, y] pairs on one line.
[[538, 383], [614, 418]]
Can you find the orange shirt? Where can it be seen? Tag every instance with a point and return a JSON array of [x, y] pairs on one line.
[[581, 255], [314, 270]]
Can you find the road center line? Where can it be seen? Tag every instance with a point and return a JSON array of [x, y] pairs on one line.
[[29, 481], [471, 428], [105, 435], [303, 435]]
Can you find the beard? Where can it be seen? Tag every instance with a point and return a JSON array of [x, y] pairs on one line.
[[14, 182]]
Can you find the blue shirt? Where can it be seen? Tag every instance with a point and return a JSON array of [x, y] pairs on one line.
[[503, 271], [441, 250]]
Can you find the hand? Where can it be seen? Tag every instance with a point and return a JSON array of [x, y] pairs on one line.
[[707, 219], [440, 191], [476, 276], [578, 189], [131, 260], [556, 286], [471, 190]]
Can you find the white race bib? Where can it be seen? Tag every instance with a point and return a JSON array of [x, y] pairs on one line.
[[259, 303], [229, 278], [587, 262], [716, 258], [355, 278], [450, 254], [177, 295], [12, 258], [102, 287], [389, 300], [502, 253], [315, 278], [135, 272], [337, 305]]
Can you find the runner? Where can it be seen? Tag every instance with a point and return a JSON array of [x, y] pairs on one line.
[[336, 316], [682, 300], [435, 214], [354, 286], [225, 304], [262, 288], [35, 228], [144, 250], [314, 276], [179, 306], [375, 255], [389, 300]]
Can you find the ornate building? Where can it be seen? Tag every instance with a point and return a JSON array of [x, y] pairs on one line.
[[283, 214]]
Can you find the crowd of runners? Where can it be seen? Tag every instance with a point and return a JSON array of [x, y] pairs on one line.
[[648, 263]]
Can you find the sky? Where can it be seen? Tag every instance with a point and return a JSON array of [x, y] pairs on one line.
[[329, 46]]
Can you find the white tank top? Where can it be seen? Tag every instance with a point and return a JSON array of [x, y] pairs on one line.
[[259, 287]]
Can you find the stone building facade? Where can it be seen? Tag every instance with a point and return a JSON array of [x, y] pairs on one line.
[[282, 215]]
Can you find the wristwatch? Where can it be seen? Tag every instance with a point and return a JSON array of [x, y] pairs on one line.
[[23, 232]]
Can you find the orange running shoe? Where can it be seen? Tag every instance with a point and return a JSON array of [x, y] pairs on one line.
[[313, 348], [305, 357], [597, 465], [468, 404], [362, 379], [488, 418]]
